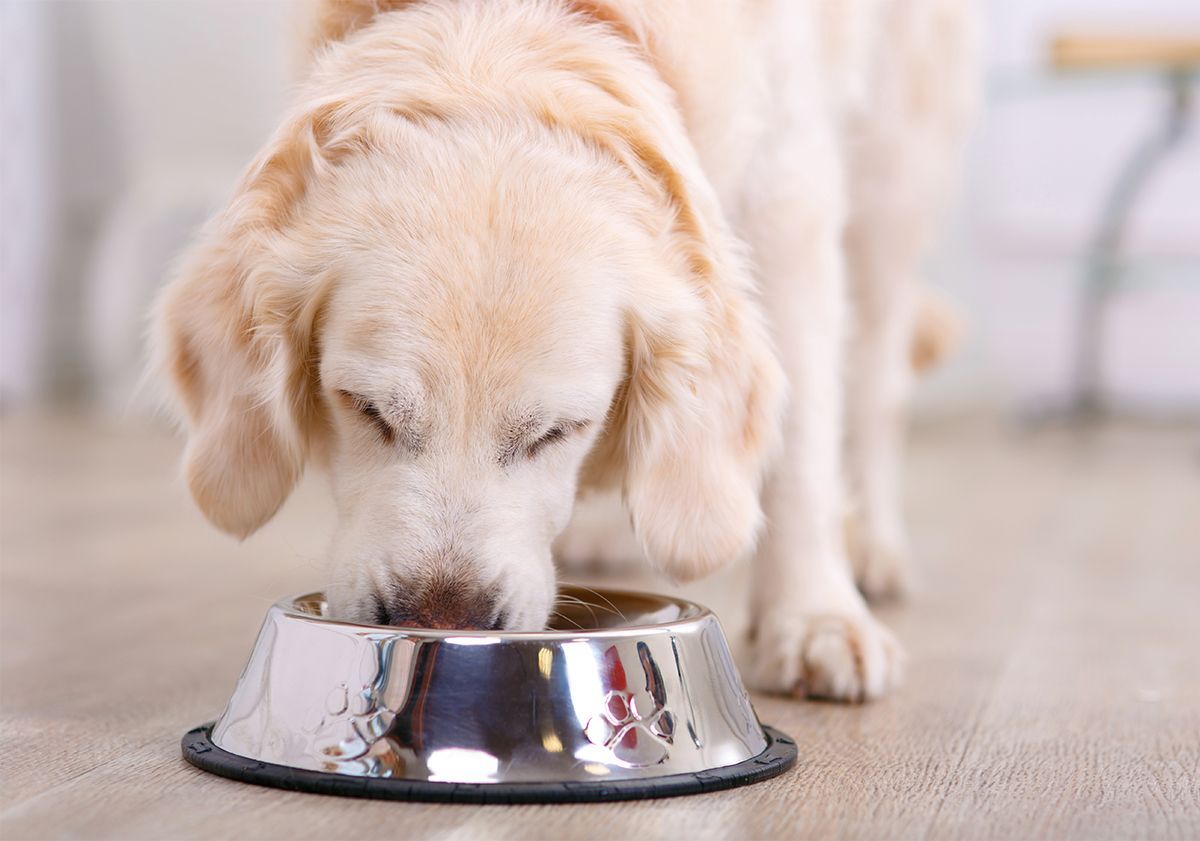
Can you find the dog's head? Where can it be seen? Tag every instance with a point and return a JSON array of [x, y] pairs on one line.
[[461, 318]]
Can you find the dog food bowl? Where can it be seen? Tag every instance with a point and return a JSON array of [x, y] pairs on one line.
[[632, 695]]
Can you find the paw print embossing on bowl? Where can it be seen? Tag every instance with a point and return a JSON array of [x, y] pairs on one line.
[[634, 724], [355, 725]]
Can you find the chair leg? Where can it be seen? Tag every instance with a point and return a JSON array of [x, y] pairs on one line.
[[1102, 270]]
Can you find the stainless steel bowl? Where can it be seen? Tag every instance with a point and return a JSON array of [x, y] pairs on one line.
[[631, 695]]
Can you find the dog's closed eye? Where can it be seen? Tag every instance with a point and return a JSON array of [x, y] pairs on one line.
[[558, 432], [555, 433], [369, 411], [525, 442]]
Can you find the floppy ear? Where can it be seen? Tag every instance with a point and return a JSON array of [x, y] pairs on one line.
[[702, 410], [700, 414], [233, 337]]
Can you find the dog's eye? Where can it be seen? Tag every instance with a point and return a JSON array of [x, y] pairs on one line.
[[556, 433], [552, 435], [370, 412]]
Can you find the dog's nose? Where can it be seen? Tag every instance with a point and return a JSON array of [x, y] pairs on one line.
[[444, 603]]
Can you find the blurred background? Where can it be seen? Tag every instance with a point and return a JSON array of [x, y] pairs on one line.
[[127, 121]]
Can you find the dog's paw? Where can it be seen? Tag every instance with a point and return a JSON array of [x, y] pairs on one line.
[[840, 656], [882, 569]]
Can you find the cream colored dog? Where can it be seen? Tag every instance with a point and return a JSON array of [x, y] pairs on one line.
[[502, 251]]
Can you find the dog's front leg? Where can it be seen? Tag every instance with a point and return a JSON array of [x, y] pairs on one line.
[[881, 256], [812, 632]]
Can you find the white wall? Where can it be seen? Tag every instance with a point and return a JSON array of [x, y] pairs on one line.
[[135, 118], [1042, 160], [28, 208]]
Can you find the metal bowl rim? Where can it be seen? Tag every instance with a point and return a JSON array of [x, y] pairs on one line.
[[697, 615]]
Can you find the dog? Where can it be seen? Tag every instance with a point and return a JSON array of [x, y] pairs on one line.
[[502, 253]]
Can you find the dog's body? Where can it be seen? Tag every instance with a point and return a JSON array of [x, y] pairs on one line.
[[498, 252]]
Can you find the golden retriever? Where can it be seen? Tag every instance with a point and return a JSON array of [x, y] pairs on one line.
[[502, 252]]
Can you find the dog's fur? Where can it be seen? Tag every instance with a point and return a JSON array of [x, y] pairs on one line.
[[502, 251]]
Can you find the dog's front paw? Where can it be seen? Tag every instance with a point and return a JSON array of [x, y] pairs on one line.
[[838, 655], [881, 567]]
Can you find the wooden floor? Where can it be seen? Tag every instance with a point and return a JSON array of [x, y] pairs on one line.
[[1054, 687]]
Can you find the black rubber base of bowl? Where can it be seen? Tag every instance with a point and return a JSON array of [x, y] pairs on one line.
[[198, 749]]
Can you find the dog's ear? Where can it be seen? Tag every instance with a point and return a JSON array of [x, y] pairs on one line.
[[700, 413], [233, 335], [702, 410]]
